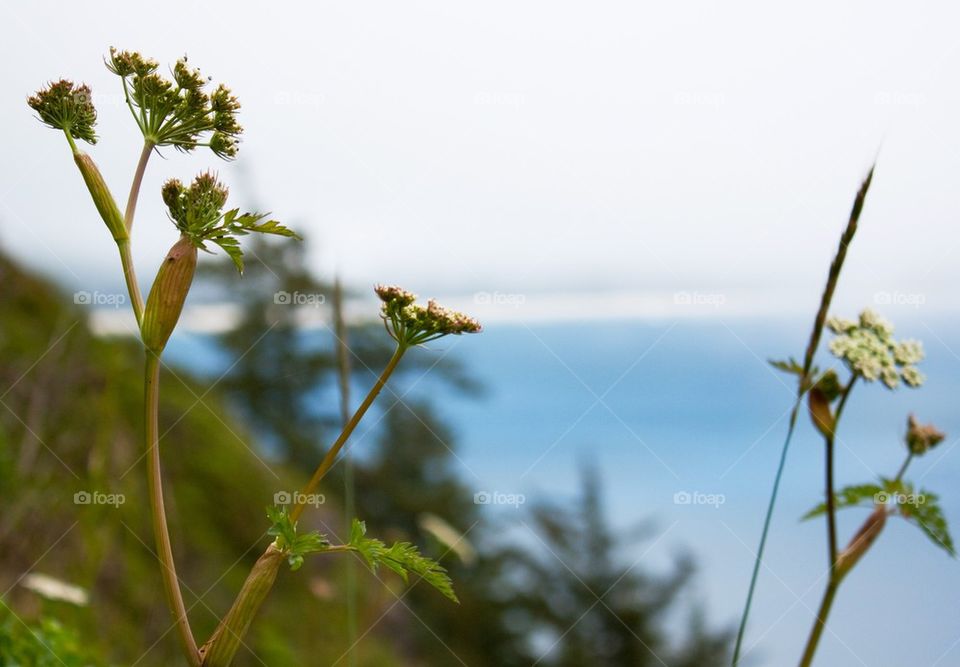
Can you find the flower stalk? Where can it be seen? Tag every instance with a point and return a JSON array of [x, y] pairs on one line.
[[182, 114], [409, 324], [168, 569]]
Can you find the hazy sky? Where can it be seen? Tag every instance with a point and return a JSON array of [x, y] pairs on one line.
[[527, 147]]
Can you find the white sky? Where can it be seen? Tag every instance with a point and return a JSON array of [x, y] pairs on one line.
[[527, 147]]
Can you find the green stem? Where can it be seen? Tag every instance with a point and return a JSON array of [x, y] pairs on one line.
[[73, 144], [130, 277], [826, 603], [831, 507], [831, 503], [228, 637], [168, 572], [331, 456], [148, 147], [903, 468]]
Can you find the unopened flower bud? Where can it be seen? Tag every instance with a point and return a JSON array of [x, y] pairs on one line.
[[104, 201], [168, 294], [820, 412], [921, 438]]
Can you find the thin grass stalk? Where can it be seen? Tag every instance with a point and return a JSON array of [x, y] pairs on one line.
[[804, 384], [349, 499]]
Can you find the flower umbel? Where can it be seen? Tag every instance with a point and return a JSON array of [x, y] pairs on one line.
[[177, 112], [869, 349], [410, 323], [197, 211], [68, 107]]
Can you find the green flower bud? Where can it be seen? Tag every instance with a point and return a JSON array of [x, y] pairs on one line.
[[168, 294], [64, 106], [104, 201]]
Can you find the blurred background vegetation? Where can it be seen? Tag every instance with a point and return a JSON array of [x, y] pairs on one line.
[[70, 421]]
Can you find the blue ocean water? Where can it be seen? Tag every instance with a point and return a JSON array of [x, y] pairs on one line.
[[685, 420]]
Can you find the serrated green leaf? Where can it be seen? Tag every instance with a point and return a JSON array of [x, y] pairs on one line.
[[849, 496], [401, 558], [231, 246], [293, 545], [791, 365], [928, 516]]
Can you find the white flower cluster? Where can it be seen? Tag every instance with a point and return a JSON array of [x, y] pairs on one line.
[[868, 348]]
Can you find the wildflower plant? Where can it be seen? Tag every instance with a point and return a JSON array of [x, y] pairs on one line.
[[869, 354], [180, 111]]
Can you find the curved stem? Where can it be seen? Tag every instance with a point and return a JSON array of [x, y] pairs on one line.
[[130, 277], [331, 456], [135, 186], [171, 584], [820, 622]]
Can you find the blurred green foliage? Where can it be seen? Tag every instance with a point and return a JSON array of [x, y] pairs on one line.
[[70, 421]]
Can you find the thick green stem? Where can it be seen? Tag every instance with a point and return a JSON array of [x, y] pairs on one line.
[[228, 637], [168, 572], [135, 186], [331, 456], [820, 622], [130, 277]]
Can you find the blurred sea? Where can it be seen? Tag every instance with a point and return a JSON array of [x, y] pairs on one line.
[[685, 420]]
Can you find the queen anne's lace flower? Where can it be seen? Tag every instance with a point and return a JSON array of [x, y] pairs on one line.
[[868, 349]]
